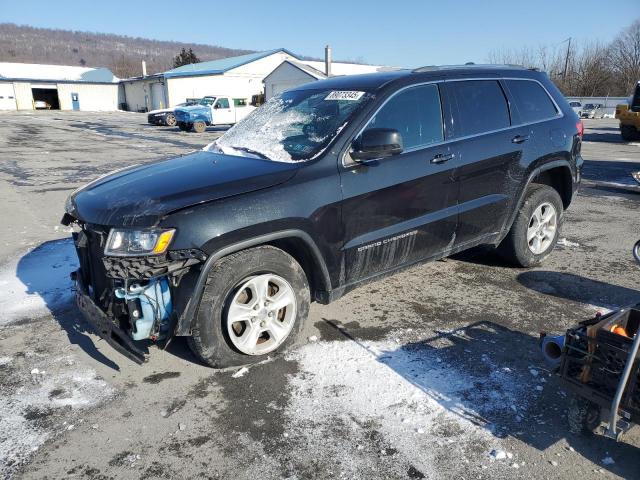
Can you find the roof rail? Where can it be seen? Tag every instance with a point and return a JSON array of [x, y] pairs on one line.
[[434, 68]]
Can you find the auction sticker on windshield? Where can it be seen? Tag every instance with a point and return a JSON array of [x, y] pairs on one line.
[[344, 95]]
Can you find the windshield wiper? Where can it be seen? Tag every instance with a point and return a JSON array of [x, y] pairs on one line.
[[254, 152]]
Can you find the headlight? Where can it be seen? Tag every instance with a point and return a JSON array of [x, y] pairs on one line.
[[131, 243]]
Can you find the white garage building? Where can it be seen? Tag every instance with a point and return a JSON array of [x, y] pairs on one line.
[[239, 77], [291, 73], [25, 86]]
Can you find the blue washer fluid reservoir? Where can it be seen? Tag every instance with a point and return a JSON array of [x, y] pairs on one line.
[[155, 306]]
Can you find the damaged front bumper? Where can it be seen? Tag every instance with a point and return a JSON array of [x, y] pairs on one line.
[[129, 300], [104, 326]]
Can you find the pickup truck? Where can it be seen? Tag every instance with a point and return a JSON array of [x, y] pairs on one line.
[[212, 110]]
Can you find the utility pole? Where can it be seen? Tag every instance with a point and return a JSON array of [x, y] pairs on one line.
[[566, 61]]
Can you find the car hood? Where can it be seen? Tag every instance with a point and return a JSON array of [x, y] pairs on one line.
[[193, 108], [141, 195], [162, 110]]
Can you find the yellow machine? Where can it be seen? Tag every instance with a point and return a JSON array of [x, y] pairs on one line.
[[629, 116]]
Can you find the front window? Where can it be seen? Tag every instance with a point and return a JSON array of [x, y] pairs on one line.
[[207, 101], [415, 113], [292, 127]]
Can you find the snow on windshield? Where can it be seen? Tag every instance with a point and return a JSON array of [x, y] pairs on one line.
[[296, 126]]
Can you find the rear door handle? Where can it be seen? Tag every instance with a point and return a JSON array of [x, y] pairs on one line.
[[443, 157], [520, 138]]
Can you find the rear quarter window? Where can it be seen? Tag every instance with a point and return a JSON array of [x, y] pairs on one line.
[[532, 100], [482, 107]]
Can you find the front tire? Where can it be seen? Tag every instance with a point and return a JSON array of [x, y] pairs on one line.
[[254, 304], [199, 127], [170, 120], [536, 228]]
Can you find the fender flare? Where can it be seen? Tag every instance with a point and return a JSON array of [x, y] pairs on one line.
[[183, 327], [534, 173]]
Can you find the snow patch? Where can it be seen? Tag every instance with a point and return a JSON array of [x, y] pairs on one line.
[[563, 242], [498, 454], [402, 392], [240, 373], [5, 361], [38, 282], [28, 412]]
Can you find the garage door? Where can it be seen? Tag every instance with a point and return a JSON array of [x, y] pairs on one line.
[[7, 97], [157, 96], [45, 97]]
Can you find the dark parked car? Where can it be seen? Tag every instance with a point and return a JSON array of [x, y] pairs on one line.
[[166, 116], [327, 187]]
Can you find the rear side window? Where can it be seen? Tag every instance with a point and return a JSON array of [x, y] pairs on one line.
[[532, 101], [482, 107], [415, 113], [223, 103]]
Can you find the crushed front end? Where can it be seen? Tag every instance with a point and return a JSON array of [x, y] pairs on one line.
[[130, 297]]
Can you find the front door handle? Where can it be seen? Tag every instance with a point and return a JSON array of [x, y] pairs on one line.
[[520, 138], [443, 157]]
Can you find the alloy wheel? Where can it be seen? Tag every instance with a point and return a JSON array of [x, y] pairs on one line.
[[542, 228], [261, 314]]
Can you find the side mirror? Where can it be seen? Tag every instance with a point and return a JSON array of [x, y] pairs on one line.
[[216, 106], [377, 143]]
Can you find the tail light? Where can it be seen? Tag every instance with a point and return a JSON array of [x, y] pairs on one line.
[[580, 128]]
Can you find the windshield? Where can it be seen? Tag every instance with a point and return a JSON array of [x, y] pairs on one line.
[[590, 105], [207, 101], [292, 127]]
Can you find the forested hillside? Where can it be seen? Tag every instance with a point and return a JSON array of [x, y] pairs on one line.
[[121, 54]]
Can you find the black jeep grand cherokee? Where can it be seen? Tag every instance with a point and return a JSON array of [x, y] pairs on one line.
[[328, 186]]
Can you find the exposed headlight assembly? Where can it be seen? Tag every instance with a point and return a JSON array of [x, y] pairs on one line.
[[132, 243]]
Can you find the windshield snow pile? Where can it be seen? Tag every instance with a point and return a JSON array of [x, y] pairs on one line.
[[293, 127]]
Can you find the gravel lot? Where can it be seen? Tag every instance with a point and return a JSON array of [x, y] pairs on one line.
[[420, 375]]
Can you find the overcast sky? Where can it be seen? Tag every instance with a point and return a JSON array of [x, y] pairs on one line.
[[399, 33]]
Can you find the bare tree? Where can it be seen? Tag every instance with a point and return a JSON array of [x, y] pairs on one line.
[[583, 70], [625, 57], [592, 74], [524, 56]]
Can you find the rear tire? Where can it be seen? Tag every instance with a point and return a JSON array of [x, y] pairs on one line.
[[224, 295], [628, 133], [170, 120], [199, 127], [536, 228]]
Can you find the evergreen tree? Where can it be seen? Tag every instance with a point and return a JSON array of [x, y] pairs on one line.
[[185, 57]]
